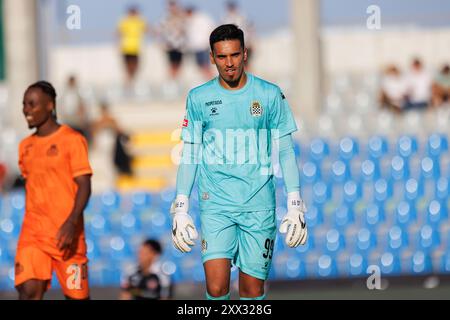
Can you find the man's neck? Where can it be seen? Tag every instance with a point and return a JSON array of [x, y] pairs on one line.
[[239, 84], [49, 127]]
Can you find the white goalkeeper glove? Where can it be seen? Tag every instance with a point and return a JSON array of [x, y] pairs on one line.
[[183, 228], [293, 223]]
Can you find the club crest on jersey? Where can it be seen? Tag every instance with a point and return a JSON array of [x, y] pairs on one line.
[[52, 151], [205, 196], [256, 109]]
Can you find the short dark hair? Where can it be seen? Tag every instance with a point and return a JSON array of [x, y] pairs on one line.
[[153, 244], [48, 89], [226, 32]]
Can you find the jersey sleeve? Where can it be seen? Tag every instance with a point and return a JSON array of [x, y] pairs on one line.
[[78, 157], [281, 117], [192, 129]]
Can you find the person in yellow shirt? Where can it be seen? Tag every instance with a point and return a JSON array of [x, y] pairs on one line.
[[131, 30]]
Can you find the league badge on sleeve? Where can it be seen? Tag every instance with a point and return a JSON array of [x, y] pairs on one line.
[[256, 109], [185, 123]]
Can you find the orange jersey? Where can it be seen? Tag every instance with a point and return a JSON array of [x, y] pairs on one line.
[[49, 165]]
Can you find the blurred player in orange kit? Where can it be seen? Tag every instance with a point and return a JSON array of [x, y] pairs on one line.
[[54, 162]]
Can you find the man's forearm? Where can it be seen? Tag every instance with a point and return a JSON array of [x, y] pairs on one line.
[[81, 198], [187, 169], [288, 164]]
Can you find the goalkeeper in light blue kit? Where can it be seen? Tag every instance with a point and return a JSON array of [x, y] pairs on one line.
[[231, 125]]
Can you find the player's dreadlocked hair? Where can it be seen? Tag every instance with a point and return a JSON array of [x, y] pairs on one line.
[[226, 32], [49, 90]]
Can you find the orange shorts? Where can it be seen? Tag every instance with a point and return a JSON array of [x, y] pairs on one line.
[[34, 263]]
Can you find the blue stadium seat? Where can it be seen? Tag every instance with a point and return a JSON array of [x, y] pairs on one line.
[[436, 145], [17, 201], [405, 213], [188, 267], [309, 245], [319, 149], [366, 240], [334, 241], [119, 248], [413, 189], [93, 252], [6, 277], [397, 239], [378, 147], [352, 192], [373, 216], [8, 229], [348, 148], [357, 265], [130, 224], [429, 168], [407, 146], [390, 263], [321, 192], [110, 201], [326, 267], [314, 216], [370, 170], [141, 199], [383, 190], [419, 263], [310, 173], [166, 197], [98, 225], [279, 265], [436, 212], [442, 188], [295, 267], [160, 224], [343, 216], [340, 171], [399, 168], [428, 238]]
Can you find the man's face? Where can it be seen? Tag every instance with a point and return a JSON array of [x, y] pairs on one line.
[[37, 107], [229, 58], [145, 256]]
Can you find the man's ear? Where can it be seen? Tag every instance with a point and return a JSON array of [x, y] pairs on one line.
[[50, 106], [245, 54]]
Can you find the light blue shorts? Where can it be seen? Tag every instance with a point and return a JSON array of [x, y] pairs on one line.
[[247, 238]]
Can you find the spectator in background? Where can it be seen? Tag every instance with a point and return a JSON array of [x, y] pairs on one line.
[[419, 84], [73, 111], [121, 156], [131, 30], [171, 30], [393, 89], [441, 87], [234, 16], [148, 281], [198, 28]]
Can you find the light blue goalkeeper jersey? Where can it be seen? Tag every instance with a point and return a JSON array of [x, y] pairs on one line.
[[235, 129]]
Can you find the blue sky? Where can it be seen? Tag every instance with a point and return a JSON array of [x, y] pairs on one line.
[[99, 17]]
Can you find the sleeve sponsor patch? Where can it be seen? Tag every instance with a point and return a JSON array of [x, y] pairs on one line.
[[185, 122]]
